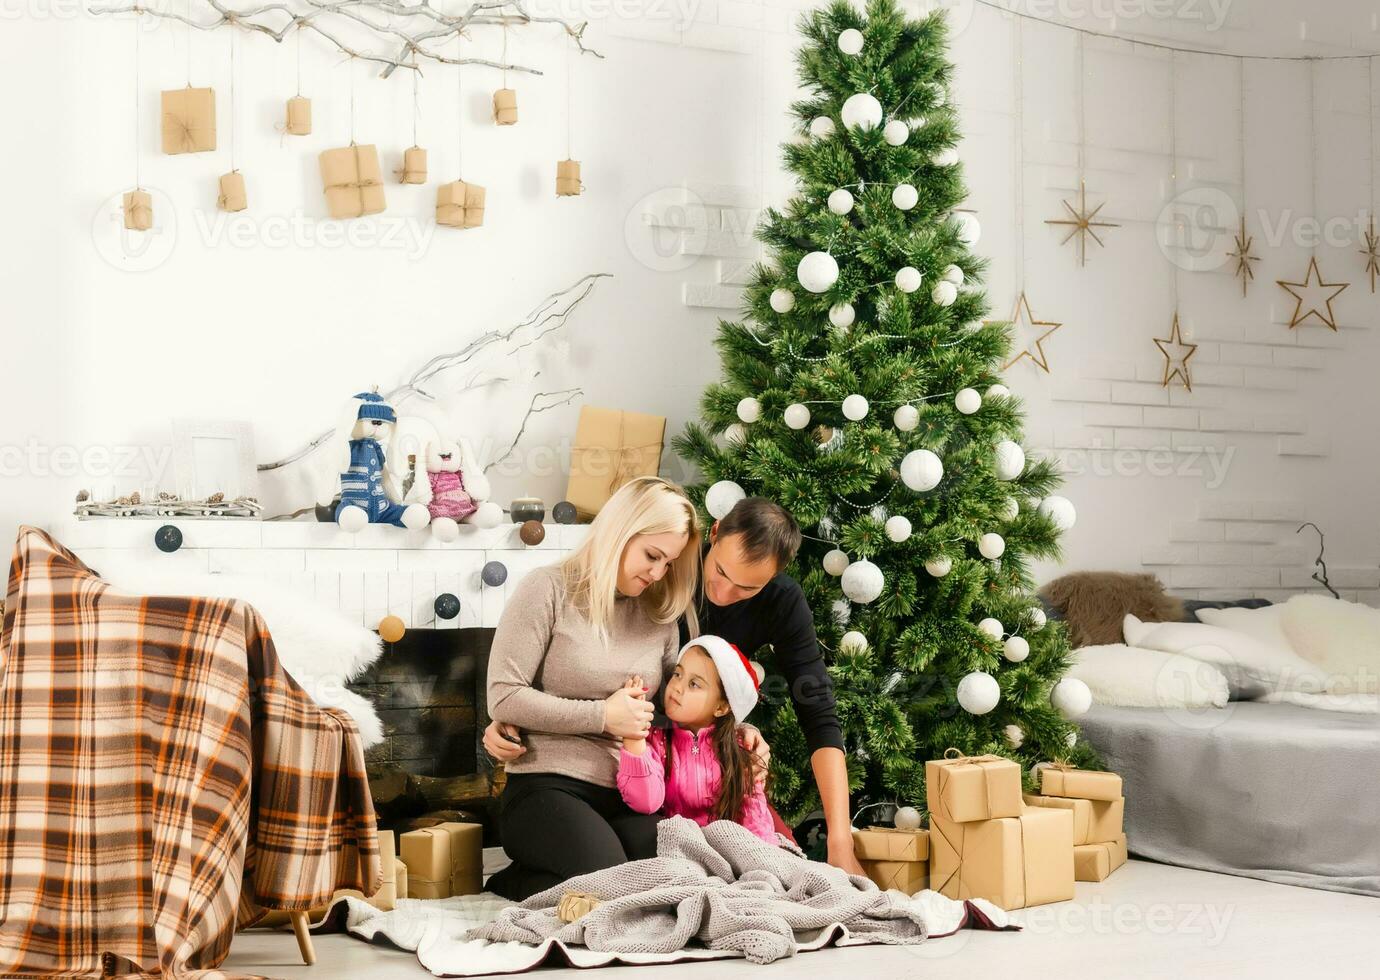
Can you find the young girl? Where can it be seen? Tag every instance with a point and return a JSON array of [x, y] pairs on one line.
[[707, 774]]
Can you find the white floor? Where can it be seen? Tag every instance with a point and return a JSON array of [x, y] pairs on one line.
[[1146, 920]]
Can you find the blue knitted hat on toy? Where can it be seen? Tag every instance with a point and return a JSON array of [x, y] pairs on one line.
[[372, 406]]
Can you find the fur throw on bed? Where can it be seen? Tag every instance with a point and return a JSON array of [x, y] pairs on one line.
[[1342, 638], [1095, 603]]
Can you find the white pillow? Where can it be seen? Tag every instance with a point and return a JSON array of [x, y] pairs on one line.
[[1252, 668], [1341, 638], [1134, 677], [1265, 624]]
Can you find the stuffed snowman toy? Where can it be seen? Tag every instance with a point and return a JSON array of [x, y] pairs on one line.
[[453, 488], [365, 493]]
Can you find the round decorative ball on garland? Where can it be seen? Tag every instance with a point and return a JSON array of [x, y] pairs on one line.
[[749, 409], [817, 271], [842, 315], [939, 567], [853, 642], [969, 230], [565, 512], [1036, 618], [821, 127], [836, 562], [954, 275], [944, 293], [905, 196], [851, 41], [998, 391], [782, 300], [855, 408], [1060, 511], [532, 533], [1010, 509], [1010, 460], [797, 416], [862, 581], [921, 470], [968, 401], [861, 111], [908, 279], [1071, 697], [447, 606], [946, 157], [992, 627], [896, 133], [978, 693], [735, 434], [167, 538], [907, 818], [898, 528], [906, 418], [992, 545], [392, 629], [494, 574], [841, 201], [721, 498], [1015, 649]]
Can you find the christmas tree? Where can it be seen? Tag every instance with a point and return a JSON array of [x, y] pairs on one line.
[[862, 394]]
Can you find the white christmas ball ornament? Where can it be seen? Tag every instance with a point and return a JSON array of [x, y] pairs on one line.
[[720, 498], [1071, 697], [992, 545], [1016, 649], [978, 693], [855, 408], [954, 275], [735, 434], [797, 416], [939, 567], [906, 418], [969, 231], [852, 642], [908, 279], [861, 111], [1010, 509], [907, 818], [851, 41], [944, 293], [835, 562], [896, 133], [905, 196], [817, 271], [821, 127], [841, 611], [1014, 736], [998, 391], [992, 627], [946, 157], [842, 315], [862, 581], [1036, 618], [749, 410], [782, 300], [878, 513], [1010, 460], [921, 470], [1060, 511], [968, 401], [841, 201], [898, 528]]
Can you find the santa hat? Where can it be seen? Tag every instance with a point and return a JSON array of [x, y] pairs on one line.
[[739, 676]]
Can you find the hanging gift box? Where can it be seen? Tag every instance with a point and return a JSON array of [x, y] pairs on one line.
[[353, 180], [232, 196], [611, 447], [298, 116], [460, 205], [413, 169], [189, 120], [138, 206], [568, 178], [505, 107]]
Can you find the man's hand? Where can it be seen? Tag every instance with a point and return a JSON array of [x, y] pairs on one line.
[[499, 747], [751, 739], [841, 852]]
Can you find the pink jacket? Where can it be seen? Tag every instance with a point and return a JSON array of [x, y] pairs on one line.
[[695, 779]]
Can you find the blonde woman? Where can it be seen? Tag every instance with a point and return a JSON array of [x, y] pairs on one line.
[[570, 636]]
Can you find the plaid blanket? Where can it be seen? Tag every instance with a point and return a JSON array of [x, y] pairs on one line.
[[161, 778]]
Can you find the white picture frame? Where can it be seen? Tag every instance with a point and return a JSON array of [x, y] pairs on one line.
[[214, 456]]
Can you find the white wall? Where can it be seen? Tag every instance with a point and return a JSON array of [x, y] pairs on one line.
[[678, 130]]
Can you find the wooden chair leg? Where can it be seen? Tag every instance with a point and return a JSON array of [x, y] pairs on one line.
[[299, 926]]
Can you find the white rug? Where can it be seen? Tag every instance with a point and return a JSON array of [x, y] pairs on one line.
[[435, 931]]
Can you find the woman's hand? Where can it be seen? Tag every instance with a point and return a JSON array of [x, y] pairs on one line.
[[502, 748], [627, 712], [635, 745], [751, 739]]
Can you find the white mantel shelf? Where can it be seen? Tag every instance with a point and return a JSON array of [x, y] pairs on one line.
[[380, 571]]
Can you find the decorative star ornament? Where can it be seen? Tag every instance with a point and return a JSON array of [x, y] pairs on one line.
[[1372, 253], [1176, 354], [1035, 350], [1313, 296], [1243, 257], [1081, 223]]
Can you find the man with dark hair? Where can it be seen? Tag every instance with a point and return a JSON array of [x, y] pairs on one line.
[[748, 600]]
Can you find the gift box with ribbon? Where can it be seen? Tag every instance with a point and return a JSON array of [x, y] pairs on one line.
[[1013, 862], [232, 196], [444, 860], [894, 858], [568, 178], [611, 447], [460, 205], [1094, 862], [353, 180], [1060, 779], [961, 788], [138, 208], [413, 169], [298, 116], [189, 120]]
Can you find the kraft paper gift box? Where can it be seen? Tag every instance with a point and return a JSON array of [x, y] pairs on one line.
[[444, 860], [611, 447], [568, 178], [460, 205], [894, 858], [1094, 862], [413, 169], [903, 876], [1082, 814], [1084, 784], [189, 120], [138, 207], [1013, 862], [232, 196], [505, 107], [353, 180], [298, 116], [973, 788]]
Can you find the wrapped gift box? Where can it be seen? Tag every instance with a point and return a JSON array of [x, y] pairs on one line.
[[973, 788], [298, 116], [505, 107], [189, 120], [232, 196], [1013, 862], [1082, 814], [568, 178], [1106, 819], [353, 180], [1083, 784], [611, 447], [460, 205], [894, 858], [413, 170], [138, 207], [903, 876], [444, 860], [1094, 862]]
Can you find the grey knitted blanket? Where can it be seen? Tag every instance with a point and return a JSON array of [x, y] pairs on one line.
[[722, 887]]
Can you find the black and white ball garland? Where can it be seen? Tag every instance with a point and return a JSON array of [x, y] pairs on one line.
[[720, 498], [862, 581], [978, 693]]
